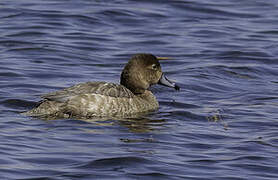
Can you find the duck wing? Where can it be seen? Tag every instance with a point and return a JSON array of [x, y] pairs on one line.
[[102, 88]]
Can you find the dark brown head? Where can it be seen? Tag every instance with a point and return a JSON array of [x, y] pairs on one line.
[[142, 71]]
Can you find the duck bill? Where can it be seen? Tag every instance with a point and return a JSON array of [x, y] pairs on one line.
[[166, 82]]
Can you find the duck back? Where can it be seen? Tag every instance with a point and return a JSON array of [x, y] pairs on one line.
[[94, 99]]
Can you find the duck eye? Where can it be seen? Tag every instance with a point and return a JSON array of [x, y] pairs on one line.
[[154, 66]]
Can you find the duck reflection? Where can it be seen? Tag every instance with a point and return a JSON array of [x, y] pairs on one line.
[[142, 124], [137, 123]]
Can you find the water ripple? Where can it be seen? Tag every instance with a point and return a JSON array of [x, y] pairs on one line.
[[222, 124]]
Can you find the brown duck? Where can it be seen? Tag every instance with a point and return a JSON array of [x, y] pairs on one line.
[[103, 99]]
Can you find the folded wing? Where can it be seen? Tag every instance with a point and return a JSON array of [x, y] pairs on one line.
[[102, 88]]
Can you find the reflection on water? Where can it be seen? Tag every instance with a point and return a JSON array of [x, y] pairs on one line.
[[136, 124], [222, 124], [142, 125]]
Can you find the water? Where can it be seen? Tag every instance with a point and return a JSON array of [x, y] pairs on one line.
[[222, 124]]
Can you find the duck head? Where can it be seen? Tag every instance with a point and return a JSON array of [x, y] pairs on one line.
[[142, 71]]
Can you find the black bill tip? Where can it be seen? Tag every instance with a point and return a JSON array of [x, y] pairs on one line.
[[177, 88], [166, 82]]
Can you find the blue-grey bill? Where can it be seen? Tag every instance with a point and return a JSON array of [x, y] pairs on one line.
[[166, 82]]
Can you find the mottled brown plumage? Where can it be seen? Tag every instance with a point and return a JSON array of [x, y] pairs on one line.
[[108, 99]]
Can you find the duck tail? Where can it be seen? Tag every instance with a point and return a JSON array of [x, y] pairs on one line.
[[44, 108]]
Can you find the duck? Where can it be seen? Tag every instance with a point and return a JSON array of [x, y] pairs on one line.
[[106, 99]]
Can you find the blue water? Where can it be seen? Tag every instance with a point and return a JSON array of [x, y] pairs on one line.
[[222, 124]]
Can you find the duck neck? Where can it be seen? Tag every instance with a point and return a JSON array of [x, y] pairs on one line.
[[133, 89], [133, 82]]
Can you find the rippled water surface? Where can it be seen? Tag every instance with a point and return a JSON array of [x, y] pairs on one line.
[[222, 124]]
